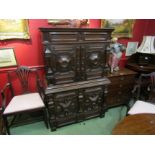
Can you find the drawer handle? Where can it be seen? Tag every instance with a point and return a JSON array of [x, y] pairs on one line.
[[118, 100], [119, 92], [122, 78], [120, 85]]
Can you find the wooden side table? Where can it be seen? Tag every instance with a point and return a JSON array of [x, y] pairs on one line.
[[139, 124], [132, 64]]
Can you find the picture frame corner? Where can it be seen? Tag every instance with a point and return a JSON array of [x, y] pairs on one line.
[[7, 57]]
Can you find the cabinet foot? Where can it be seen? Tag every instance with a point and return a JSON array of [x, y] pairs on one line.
[[102, 115], [53, 129]]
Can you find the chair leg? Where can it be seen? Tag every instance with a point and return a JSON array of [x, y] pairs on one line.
[[46, 117], [6, 124]]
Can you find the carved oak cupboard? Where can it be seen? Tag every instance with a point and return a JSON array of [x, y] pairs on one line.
[[75, 65]]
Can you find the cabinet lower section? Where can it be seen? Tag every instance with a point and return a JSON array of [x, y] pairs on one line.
[[70, 103]]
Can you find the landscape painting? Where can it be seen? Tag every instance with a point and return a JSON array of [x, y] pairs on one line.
[[123, 28], [14, 29]]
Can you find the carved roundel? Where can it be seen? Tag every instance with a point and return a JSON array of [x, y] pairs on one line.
[[64, 61], [94, 59]]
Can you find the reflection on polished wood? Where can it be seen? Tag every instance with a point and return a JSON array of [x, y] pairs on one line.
[[133, 64], [139, 124], [144, 69]]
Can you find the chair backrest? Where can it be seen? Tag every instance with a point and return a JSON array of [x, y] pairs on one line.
[[22, 73], [152, 87], [148, 85]]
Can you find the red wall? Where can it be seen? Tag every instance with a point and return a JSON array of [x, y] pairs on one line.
[[30, 53], [94, 23]]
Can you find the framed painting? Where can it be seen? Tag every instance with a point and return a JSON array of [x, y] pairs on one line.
[[122, 27], [7, 57], [69, 22], [58, 21], [14, 29], [131, 48]]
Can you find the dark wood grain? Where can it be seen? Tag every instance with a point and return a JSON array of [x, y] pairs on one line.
[[74, 54], [139, 124], [133, 64], [75, 64], [120, 88]]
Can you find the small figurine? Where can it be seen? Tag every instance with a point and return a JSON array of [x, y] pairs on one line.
[[115, 55]]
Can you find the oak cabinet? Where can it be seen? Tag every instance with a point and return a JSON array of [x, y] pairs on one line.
[[75, 65]]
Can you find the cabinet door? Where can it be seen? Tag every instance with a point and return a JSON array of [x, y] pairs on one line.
[[93, 61], [65, 108], [93, 104], [62, 64]]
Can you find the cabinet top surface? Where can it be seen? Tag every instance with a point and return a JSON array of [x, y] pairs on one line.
[[121, 72], [43, 29], [77, 85]]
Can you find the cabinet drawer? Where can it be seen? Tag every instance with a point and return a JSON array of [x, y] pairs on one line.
[[122, 79], [116, 100], [119, 95], [96, 36], [63, 36], [122, 82], [120, 87]]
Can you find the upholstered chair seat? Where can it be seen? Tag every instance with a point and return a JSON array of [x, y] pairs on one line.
[[142, 107], [24, 102]]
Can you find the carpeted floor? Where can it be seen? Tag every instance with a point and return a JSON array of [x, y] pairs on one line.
[[96, 126]]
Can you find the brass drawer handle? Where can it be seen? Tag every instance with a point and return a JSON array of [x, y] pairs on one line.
[[119, 92], [122, 78], [118, 100]]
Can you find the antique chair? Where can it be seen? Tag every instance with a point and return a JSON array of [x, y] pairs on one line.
[[29, 101], [2, 131], [145, 95]]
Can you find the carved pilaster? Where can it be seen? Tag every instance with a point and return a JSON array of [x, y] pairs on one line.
[[104, 104]]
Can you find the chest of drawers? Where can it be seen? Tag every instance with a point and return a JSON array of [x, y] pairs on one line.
[[119, 91]]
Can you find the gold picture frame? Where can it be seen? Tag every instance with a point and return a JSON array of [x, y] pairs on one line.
[[68, 23], [58, 21], [123, 28], [14, 29], [7, 57]]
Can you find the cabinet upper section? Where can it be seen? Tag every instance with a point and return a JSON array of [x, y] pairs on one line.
[[73, 54], [76, 35]]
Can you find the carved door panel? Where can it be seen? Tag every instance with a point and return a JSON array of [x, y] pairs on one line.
[[66, 107], [63, 64], [93, 101], [93, 61]]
